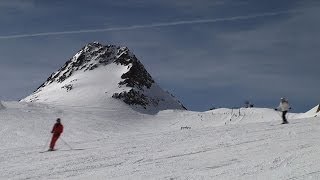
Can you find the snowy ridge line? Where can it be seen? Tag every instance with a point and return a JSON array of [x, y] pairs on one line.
[[90, 107], [53, 106]]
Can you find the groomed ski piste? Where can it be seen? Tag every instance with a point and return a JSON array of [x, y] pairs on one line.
[[120, 143]]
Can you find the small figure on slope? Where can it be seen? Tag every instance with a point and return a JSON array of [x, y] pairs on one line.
[[56, 132], [284, 108]]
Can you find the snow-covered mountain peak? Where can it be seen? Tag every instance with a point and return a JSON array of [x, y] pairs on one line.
[[89, 58], [98, 75]]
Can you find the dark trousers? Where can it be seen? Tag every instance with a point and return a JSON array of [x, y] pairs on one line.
[[284, 119], [54, 139]]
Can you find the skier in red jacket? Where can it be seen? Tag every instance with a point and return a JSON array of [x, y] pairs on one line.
[[56, 132]]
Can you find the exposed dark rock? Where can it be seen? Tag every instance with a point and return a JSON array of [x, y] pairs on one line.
[[132, 98], [68, 87], [137, 76]]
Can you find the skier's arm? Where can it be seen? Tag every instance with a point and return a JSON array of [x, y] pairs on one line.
[[279, 107], [53, 129]]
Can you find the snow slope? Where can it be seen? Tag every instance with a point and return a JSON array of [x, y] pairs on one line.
[[173, 144], [314, 112]]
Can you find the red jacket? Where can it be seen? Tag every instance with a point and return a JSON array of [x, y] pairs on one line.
[[57, 128]]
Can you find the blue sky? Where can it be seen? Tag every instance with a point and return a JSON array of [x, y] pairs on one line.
[[208, 53]]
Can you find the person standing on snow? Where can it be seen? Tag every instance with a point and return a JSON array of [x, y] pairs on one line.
[[284, 108], [56, 132]]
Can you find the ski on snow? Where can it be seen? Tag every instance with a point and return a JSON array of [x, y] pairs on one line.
[[61, 150]]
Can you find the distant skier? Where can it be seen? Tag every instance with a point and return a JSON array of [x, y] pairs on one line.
[[56, 132], [284, 108]]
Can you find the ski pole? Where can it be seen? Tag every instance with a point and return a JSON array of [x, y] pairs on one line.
[[46, 144], [65, 143], [279, 114]]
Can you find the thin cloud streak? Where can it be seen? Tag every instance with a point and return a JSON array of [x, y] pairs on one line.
[[165, 24]]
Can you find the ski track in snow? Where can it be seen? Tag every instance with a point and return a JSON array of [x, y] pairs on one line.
[[122, 145]]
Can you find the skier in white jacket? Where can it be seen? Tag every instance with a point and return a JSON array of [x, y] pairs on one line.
[[284, 108]]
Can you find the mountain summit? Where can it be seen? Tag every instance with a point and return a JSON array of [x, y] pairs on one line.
[[101, 76]]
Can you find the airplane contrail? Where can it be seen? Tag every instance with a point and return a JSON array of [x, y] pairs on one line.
[[134, 27]]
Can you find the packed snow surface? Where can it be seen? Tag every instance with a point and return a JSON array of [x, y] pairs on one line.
[[120, 143]]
